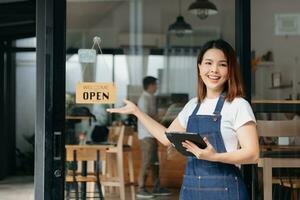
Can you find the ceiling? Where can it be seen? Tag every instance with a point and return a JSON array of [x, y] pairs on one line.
[[17, 19], [116, 21], [84, 14]]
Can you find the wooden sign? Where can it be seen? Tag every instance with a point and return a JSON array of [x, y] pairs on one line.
[[95, 93]]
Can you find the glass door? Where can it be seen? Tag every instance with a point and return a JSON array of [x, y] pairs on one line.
[[137, 39], [275, 95]]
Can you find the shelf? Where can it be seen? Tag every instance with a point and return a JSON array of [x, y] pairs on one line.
[[282, 86], [265, 64], [275, 106], [274, 101]]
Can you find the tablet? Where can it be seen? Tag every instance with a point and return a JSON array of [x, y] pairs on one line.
[[176, 138]]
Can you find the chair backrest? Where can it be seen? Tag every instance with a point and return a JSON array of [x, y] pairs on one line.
[[278, 128], [128, 134], [116, 135], [84, 153]]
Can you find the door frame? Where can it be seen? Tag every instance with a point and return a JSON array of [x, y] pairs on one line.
[[50, 107], [243, 51]]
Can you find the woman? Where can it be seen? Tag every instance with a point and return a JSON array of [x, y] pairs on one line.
[[222, 117]]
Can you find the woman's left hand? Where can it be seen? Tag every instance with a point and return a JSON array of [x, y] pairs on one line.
[[205, 154]]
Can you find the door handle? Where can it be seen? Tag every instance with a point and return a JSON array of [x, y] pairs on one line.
[[57, 145]]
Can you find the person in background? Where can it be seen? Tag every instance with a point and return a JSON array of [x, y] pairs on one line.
[[222, 117], [148, 144]]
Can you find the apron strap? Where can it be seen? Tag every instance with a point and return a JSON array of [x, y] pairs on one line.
[[196, 109], [220, 104], [218, 108]]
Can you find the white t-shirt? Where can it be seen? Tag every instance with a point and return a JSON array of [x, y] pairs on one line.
[[234, 115], [147, 104]]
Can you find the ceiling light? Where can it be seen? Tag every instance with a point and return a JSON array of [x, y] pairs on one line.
[[180, 27], [203, 8]]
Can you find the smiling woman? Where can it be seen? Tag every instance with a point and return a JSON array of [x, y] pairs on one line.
[[222, 117], [220, 59], [214, 71]]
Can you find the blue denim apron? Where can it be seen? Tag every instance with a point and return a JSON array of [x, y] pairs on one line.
[[211, 180]]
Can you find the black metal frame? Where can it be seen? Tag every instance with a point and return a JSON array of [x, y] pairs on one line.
[[2, 159], [17, 19], [50, 90], [243, 50], [7, 114]]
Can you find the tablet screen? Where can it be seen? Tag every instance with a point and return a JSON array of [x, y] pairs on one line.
[[176, 138]]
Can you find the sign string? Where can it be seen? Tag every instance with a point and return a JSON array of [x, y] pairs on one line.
[[96, 40]]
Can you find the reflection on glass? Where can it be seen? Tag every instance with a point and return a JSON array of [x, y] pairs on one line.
[[135, 43]]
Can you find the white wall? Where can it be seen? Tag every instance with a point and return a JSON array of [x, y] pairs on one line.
[[285, 48]]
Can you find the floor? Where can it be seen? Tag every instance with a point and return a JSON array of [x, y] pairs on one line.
[[21, 187]]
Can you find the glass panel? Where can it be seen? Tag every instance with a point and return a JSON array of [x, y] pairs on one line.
[[25, 111], [155, 65], [275, 93], [121, 78], [26, 42], [136, 43]]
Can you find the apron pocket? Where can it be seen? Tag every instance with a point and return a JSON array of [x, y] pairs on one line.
[[209, 188], [190, 193]]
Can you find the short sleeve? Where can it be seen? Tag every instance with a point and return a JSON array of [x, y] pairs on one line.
[[187, 110], [244, 114]]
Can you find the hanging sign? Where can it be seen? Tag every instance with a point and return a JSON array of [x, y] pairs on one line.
[[87, 55], [95, 93]]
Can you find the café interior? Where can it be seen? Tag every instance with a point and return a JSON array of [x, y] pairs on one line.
[[133, 39]]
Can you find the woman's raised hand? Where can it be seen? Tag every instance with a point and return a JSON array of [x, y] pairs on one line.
[[128, 108]]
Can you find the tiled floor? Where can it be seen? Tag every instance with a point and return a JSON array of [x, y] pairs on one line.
[[21, 187], [15, 188]]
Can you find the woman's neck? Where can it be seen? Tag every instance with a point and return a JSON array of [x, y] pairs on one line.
[[213, 94]]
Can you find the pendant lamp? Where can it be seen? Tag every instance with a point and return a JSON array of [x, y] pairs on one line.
[[203, 8], [180, 27]]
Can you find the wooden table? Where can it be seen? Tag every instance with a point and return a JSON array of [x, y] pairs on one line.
[[267, 163], [68, 117]]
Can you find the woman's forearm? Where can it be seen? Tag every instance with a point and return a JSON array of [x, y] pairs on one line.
[[241, 156], [155, 128]]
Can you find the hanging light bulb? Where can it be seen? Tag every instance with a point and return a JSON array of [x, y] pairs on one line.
[[203, 8], [180, 27]]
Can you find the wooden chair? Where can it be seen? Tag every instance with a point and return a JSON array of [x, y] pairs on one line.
[[85, 153], [278, 128], [281, 128], [115, 159]]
